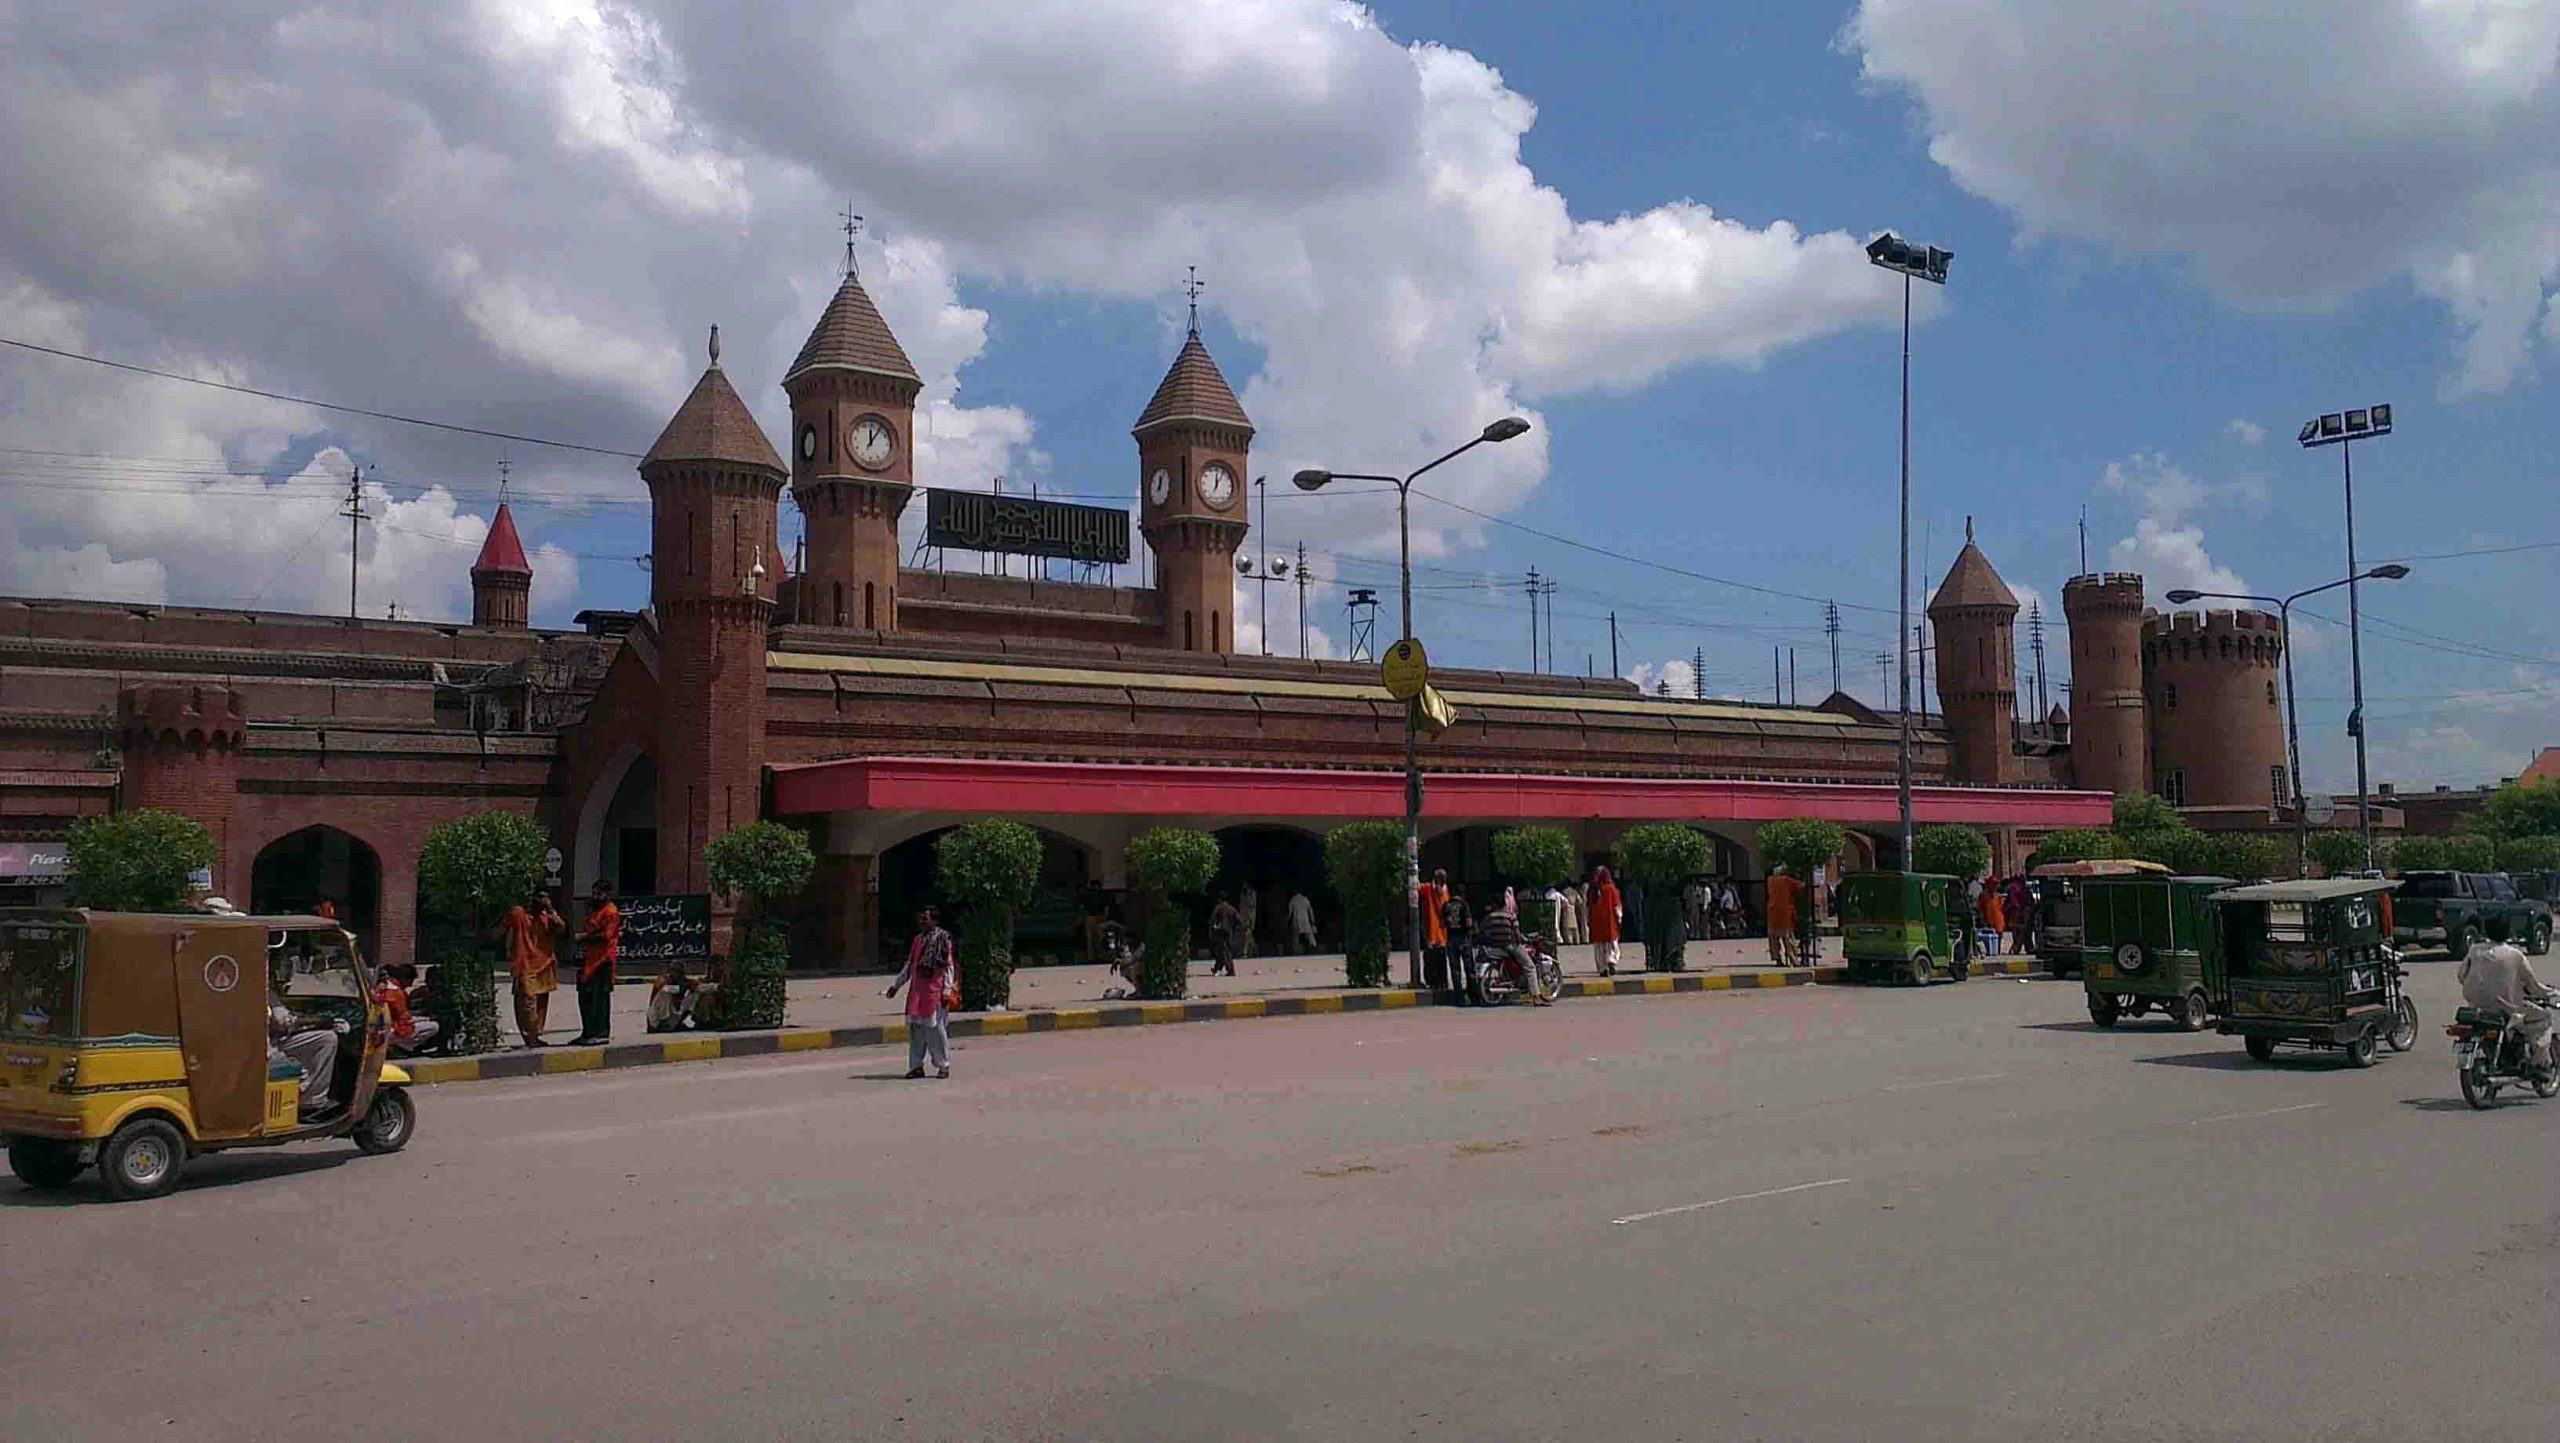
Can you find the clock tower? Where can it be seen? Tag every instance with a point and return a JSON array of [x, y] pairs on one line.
[[1193, 444], [853, 406]]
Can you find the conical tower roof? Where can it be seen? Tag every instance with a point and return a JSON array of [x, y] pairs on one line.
[[1193, 390], [714, 425], [503, 551], [851, 336], [1972, 582]]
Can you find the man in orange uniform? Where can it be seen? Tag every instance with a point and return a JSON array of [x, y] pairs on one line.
[[1785, 894], [602, 943], [533, 939], [1435, 930]]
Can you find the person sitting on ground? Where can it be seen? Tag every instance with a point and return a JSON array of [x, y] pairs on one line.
[[671, 999], [398, 991]]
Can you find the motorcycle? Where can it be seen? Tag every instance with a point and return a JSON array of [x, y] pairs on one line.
[[2488, 1055], [1493, 977]]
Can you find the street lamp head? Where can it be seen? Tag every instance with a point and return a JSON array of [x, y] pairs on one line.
[[1311, 479], [1506, 428], [1896, 254], [2392, 571], [2182, 596]]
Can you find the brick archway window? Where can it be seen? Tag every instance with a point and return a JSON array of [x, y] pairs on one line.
[[870, 613]]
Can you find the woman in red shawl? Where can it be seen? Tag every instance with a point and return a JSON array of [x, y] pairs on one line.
[[1604, 921]]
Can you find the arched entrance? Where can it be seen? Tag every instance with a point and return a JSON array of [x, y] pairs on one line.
[[299, 870], [617, 837], [1275, 861], [1050, 927]]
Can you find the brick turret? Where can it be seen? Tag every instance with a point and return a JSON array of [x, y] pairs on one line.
[[715, 486], [1194, 442], [182, 748], [2110, 733], [2217, 725], [853, 405], [502, 579], [1975, 617]]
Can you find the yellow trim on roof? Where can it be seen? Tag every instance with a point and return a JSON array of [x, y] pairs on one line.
[[901, 666]]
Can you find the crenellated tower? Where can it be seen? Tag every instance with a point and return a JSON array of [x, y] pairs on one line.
[[715, 486], [2217, 723], [1975, 617], [1193, 445], [182, 748], [853, 405], [2110, 733]]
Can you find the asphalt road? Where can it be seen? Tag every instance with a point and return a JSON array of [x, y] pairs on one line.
[[1802, 1214]]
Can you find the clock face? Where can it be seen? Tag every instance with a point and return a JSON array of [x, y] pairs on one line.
[[1217, 485], [1160, 486], [871, 442], [808, 443]]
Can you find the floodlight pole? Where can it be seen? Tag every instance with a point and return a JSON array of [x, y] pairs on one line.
[[2355, 655], [1902, 598]]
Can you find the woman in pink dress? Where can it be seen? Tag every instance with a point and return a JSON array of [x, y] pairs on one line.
[[927, 978]]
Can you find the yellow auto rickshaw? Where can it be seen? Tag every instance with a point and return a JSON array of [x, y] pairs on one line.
[[135, 1041]]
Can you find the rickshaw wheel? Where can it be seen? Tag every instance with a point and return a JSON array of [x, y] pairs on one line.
[[2404, 1026], [142, 1160], [2102, 1009], [2360, 1051], [1919, 973], [389, 1123], [2261, 1049], [44, 1164], [2192, 1011]]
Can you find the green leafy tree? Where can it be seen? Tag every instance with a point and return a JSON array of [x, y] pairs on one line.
[[136, 861], [2471, 852], [1802, 844], [1534, 858], [470, 871], [2418, 854], [1365, 863], [1170, 866], [2153, 831], [2520, 809], [762, 864], [1951, 851], [2241, 856], [1660, 858], [2336, 851], [2530, 854], [989, 870], [2075, 844]]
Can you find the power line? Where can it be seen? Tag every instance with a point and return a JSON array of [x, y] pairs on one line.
[[316, 405]]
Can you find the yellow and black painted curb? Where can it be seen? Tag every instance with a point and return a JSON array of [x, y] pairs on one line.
[[705, 1047]]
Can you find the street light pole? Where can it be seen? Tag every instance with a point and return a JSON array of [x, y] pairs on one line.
[[1927, 263], [1314, 480], [2343, 430]]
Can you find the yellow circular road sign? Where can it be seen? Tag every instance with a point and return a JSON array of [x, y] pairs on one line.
[[1406, 670]]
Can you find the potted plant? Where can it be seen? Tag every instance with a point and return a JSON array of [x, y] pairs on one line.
[[988, 870], [1365, 863]]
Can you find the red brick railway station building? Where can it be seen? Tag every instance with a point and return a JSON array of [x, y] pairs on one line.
[[876, 704]]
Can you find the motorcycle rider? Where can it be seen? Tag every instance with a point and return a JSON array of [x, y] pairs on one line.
[[1499, 934], [2496, 975]]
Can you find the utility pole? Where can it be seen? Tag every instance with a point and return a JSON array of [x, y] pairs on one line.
[[1920, 649], [1302, 601], [1698, 674], [2035, 645], [1831, 629], [356, 518], [1613, 645], [1884, 672], [1533, 619], [1777, 679], [1794, 697], [1547, 589]]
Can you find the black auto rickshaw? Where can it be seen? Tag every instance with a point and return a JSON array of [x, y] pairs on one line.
[[2310, 964], [1896, 927], [2059, 913], [136, 1041], [2144, 943]]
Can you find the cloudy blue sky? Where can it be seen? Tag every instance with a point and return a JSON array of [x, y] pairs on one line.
[[2180, 229]]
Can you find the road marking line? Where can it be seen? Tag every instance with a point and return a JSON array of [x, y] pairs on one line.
[[2270, 1112], [1945, 1082], [1720, 1202]]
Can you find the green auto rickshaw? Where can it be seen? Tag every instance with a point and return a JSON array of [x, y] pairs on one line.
[[1896, 927], [2311, 964], [2144, 940]]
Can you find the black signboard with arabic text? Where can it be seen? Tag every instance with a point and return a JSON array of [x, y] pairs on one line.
[[666, 929], [1019, 526]]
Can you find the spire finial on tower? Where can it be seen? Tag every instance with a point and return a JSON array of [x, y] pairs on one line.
[[715, 347], [852, 228], [1968, 531], [1191, 290], [503, 477]]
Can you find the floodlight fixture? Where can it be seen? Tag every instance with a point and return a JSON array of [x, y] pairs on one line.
[[1892, 252], [2334, 427]]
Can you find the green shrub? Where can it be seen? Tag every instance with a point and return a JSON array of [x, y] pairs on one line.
[[1958, 852], [2075, 844], [988, 870], [1171, 866], [470, 871], [1365, 862], [1661, 857], [2417, 854], [1802, 845], [761, 863], [136, 861], [2337, 852], [1535, 858], [2520, 809], [2241, 856], [2529, 854], [2470, 852]]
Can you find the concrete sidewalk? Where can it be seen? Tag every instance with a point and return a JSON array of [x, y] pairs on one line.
[[851, 1012]]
